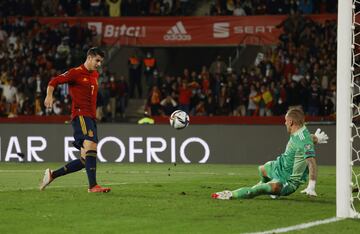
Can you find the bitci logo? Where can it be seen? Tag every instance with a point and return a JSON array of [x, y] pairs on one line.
[[221, 30]]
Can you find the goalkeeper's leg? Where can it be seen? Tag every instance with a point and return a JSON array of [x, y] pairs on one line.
[[264, 178], [269, 188]]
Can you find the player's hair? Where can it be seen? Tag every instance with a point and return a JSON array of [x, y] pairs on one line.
[[93, 51], [297, 115]]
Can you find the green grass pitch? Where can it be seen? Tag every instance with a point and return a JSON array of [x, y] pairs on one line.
[[157, 198]]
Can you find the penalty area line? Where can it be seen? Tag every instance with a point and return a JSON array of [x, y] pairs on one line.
[[299, 226]]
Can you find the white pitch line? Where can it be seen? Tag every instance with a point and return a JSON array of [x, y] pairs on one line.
[[10, 171], [299, 226], [133, 172]]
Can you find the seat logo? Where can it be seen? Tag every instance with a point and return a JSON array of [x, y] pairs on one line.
[[177, 33], [221, 30]]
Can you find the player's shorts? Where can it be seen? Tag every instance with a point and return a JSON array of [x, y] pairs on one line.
[[271, 172], [84, 129]]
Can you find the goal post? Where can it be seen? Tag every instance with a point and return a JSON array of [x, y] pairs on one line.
[[346, 67]]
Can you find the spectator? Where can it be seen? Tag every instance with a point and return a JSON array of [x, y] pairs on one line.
[[306, 6], [238, 10], [113, 92], [240, 101], [134, 64], [9, 91], [314, 101], [253, 103], [184, 97], [210, 105], [114, 7], [129, 8], [154, 100], [267, 99], [149, 68], [168, 105], [103, 102], [122, 96], [218, 67]]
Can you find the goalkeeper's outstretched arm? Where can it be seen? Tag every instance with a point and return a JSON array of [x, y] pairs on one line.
[[312, 168], [310, 190]]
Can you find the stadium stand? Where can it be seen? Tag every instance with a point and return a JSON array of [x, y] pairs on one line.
[[301, 65]]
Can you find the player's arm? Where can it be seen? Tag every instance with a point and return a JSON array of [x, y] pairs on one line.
[[310, 190], [312, 168], [319, 137], [61, 79], [49, 99]]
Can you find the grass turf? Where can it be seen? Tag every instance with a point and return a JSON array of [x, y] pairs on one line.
[[157, 198]]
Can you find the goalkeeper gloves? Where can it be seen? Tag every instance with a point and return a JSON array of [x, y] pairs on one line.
[[310, 190], [321, 136]]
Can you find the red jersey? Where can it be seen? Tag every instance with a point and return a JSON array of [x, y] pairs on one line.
[[83, 86]]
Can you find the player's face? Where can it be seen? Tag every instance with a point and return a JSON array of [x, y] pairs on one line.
[[288, 123], [95, 62]]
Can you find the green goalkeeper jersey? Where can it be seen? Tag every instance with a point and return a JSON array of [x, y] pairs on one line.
[[291, 166]]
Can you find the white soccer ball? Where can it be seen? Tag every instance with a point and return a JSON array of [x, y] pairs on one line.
[[179, 119]]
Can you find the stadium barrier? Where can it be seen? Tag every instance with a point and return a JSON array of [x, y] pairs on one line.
[[126, 143], [182, 31], [277, 120]]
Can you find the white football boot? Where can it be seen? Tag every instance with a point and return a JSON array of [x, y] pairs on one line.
[[47, 179], [224, 195]]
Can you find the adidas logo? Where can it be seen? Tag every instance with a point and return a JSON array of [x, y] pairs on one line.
[[177, 33]]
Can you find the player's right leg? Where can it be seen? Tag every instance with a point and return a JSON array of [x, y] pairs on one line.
[[270, 188], [90, 166]]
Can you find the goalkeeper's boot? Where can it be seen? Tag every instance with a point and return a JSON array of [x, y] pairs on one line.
[[98, 189], [47, 179], [224, 195]]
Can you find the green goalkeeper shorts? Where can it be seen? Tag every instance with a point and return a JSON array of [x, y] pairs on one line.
[[271, 173]]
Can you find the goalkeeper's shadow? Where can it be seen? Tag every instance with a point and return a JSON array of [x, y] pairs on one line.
[[302, 200]]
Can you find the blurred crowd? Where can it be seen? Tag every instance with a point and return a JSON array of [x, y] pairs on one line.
[[112, 8], [300, 71], [30, 54], [272, 7], [116, 8]]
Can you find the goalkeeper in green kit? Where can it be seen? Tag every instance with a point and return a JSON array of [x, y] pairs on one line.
[[284, 175]]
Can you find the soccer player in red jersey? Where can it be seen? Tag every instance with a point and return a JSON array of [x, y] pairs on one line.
[[83, 85]]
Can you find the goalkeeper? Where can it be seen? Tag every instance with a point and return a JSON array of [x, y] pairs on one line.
[[284, 175]]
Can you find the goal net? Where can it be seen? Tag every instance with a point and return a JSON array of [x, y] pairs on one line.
[[348, 110]]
